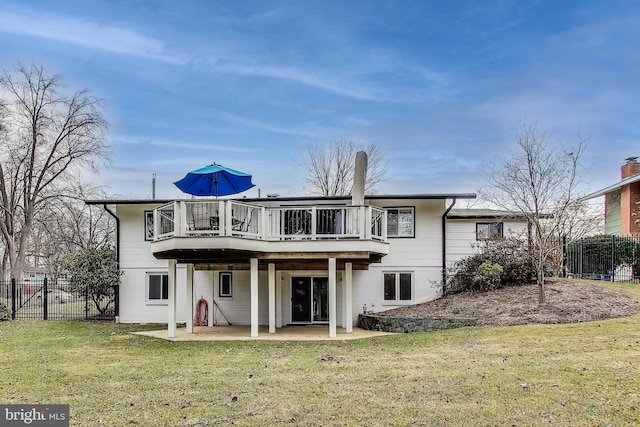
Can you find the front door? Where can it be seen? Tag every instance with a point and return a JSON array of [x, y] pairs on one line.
[[309, 300]]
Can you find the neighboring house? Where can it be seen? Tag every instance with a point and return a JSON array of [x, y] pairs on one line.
[[622, 201], [467, 228], [291, 260]]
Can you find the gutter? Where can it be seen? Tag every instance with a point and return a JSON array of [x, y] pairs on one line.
[[444, 246], [117, 289]]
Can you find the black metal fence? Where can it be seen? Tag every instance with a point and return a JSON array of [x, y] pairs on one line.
[[43, 300], [613, 258]]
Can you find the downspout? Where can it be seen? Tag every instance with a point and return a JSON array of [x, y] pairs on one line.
[[444, 247], [117, 289]]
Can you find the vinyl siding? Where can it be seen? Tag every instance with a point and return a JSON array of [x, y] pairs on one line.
[[461, 236], [613, 223]]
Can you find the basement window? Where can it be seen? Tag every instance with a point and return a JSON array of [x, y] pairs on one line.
[[157, 288], [225, 285], [398, 286]]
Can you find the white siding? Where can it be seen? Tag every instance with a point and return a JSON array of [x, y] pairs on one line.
[[461, 235], [420, 255]]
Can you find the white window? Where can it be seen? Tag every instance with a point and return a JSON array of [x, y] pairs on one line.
[[400, 222], [148, 225], [157, 287], [225, 285], [398, 286], [488, 230]]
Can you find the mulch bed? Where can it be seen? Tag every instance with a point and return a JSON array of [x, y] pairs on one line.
[[567, 302]]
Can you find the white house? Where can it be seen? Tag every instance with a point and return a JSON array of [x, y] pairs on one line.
[[293, 260]]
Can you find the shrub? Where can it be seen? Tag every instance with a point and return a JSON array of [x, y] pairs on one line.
[[488, 275], [5, 312], [509, 254]]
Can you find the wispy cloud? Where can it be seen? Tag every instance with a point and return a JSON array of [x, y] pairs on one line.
[[81, 32], [147, 142]]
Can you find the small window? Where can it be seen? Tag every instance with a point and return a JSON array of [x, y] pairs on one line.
[[225, 286], [488, 230], [397, 287], [157, 287], [400, 222], [148, 225]]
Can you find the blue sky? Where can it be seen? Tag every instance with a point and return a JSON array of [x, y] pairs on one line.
[[439, 86]]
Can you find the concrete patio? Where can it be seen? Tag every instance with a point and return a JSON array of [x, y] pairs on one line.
[[243, 333]]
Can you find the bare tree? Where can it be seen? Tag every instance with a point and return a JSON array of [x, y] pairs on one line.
[[330, 167], [66, 225], [539, 179], [45, 136]]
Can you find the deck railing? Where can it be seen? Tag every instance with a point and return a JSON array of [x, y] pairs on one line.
[[238, 219]]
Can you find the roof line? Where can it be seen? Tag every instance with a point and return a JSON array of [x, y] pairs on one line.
[[628, 180], [286, 199]]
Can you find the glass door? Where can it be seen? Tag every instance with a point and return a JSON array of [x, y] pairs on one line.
[[320, 299], [309, 300], [301, 299]]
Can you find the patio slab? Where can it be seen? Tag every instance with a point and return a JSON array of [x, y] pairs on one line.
[[243, 333]]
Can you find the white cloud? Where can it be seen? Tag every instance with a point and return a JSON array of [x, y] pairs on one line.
[[80, 32]]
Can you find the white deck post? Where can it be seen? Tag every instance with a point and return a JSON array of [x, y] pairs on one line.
[[189, 298], [332, 298], [272, 298], [254, 297], [278, 299], [348, 299], [171, 333]]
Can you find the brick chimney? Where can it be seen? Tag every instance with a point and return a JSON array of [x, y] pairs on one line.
[[632, 167], [630, 199]]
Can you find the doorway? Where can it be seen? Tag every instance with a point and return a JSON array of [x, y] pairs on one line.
[[309, 300]]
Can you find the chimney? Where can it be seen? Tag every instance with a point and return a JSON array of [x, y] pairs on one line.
[[632, 167], [359, 178]]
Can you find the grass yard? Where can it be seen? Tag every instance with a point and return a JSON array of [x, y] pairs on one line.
[[573, 374]]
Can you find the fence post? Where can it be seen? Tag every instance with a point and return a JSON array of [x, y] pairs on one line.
[[581, 261], [13, 299], [613, 258], [86, 303], [45, 301]]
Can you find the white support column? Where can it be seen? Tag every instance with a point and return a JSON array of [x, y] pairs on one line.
[[348, 300], [278, 299], [254, 297], [213, 278], [172, 299], [332, 298], [189, 298], [272, 298]]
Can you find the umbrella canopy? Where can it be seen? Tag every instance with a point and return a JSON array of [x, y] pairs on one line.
[[215, 180]]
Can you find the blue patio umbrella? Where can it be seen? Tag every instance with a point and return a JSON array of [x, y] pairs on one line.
[[215, 180]]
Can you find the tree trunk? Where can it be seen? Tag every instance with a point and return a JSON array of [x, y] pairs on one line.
[[541, 294]]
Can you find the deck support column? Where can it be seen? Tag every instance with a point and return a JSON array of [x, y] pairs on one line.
[[348, 297], [171, 299], [272, 298], [332, 298], [254, 297], [189, 298], [278, 299]]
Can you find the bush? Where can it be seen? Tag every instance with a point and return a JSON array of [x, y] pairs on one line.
[[5, 312], [481, 271], [488, 275]]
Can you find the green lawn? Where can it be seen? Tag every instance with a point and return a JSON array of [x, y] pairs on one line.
[[581, 374]]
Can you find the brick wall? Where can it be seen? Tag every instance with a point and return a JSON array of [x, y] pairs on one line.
[[630, 200]]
